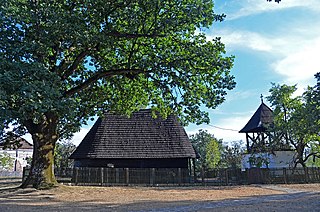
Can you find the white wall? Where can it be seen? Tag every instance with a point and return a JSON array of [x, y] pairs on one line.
[[20, 155], [280, 159]]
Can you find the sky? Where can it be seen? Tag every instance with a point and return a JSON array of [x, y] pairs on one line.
[[271, 42]]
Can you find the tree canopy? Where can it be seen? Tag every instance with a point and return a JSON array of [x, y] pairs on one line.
[[231, 156], [296, 119], [62, 62], [208, 148], [62, 152]]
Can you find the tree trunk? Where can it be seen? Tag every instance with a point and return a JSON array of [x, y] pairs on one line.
[[300, 150], [44, 136]]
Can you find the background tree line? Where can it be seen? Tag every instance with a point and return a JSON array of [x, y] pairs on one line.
[[212, 153], [296, 126]]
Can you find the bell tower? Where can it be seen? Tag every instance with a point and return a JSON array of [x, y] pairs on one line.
[[258, 138]]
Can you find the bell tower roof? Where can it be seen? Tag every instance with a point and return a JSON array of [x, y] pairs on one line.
[[260, 120]]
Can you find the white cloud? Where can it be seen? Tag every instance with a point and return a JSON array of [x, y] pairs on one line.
[[77, 137], [300, 65], [295, 54], [227, 128], [243, 39], [253, 7]]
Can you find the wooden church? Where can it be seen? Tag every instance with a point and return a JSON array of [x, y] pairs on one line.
[[139, 141]]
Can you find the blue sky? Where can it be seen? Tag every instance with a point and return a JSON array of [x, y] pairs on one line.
[[271, 42]]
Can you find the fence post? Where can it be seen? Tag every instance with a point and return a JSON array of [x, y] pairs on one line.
[[88, 170], [101, 172], [227, 176], [179, 176], [117, 175], [127, 175], [202, 175], [24, 174], [76, 176], [285, 175], [306, 174], [107, 176], [152, 176]]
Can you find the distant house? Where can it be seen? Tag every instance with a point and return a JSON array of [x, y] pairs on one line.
[[140, 141], [20, 153], [261, 146]]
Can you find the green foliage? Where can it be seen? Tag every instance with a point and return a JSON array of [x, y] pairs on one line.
[[296, 119], [61, 154], [259, 160], [232, 155], [208, 149], [213, 154], [62, 62], [6, 162], [29, 161], [79, 58], [313, 160]]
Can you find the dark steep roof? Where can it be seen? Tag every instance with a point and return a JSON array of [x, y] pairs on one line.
[[260, 120], [139, 136]]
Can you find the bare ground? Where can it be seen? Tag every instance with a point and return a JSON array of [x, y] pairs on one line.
[[302, 197]]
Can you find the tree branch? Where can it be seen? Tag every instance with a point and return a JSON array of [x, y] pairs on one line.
[[129, 35], [315, 154], [101, 75], [75, 64]]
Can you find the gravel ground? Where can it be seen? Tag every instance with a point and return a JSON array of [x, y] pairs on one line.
[[297, 197]]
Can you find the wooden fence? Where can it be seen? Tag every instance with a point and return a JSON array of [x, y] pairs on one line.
[[178, 176], [132, 176], [284, 175], [259, 176]]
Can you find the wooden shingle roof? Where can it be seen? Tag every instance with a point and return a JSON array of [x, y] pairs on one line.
[[260, 121], [139, 136]]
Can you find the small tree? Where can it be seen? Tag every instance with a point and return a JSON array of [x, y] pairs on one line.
[[6, 162], [213, 154], [208, 149], [232, 155], [61, 154]]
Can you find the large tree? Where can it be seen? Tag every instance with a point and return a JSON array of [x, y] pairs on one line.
[[312, 108], [296, 120], [62, 62]]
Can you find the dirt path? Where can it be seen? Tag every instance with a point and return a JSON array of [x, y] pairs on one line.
[[235, 198]]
